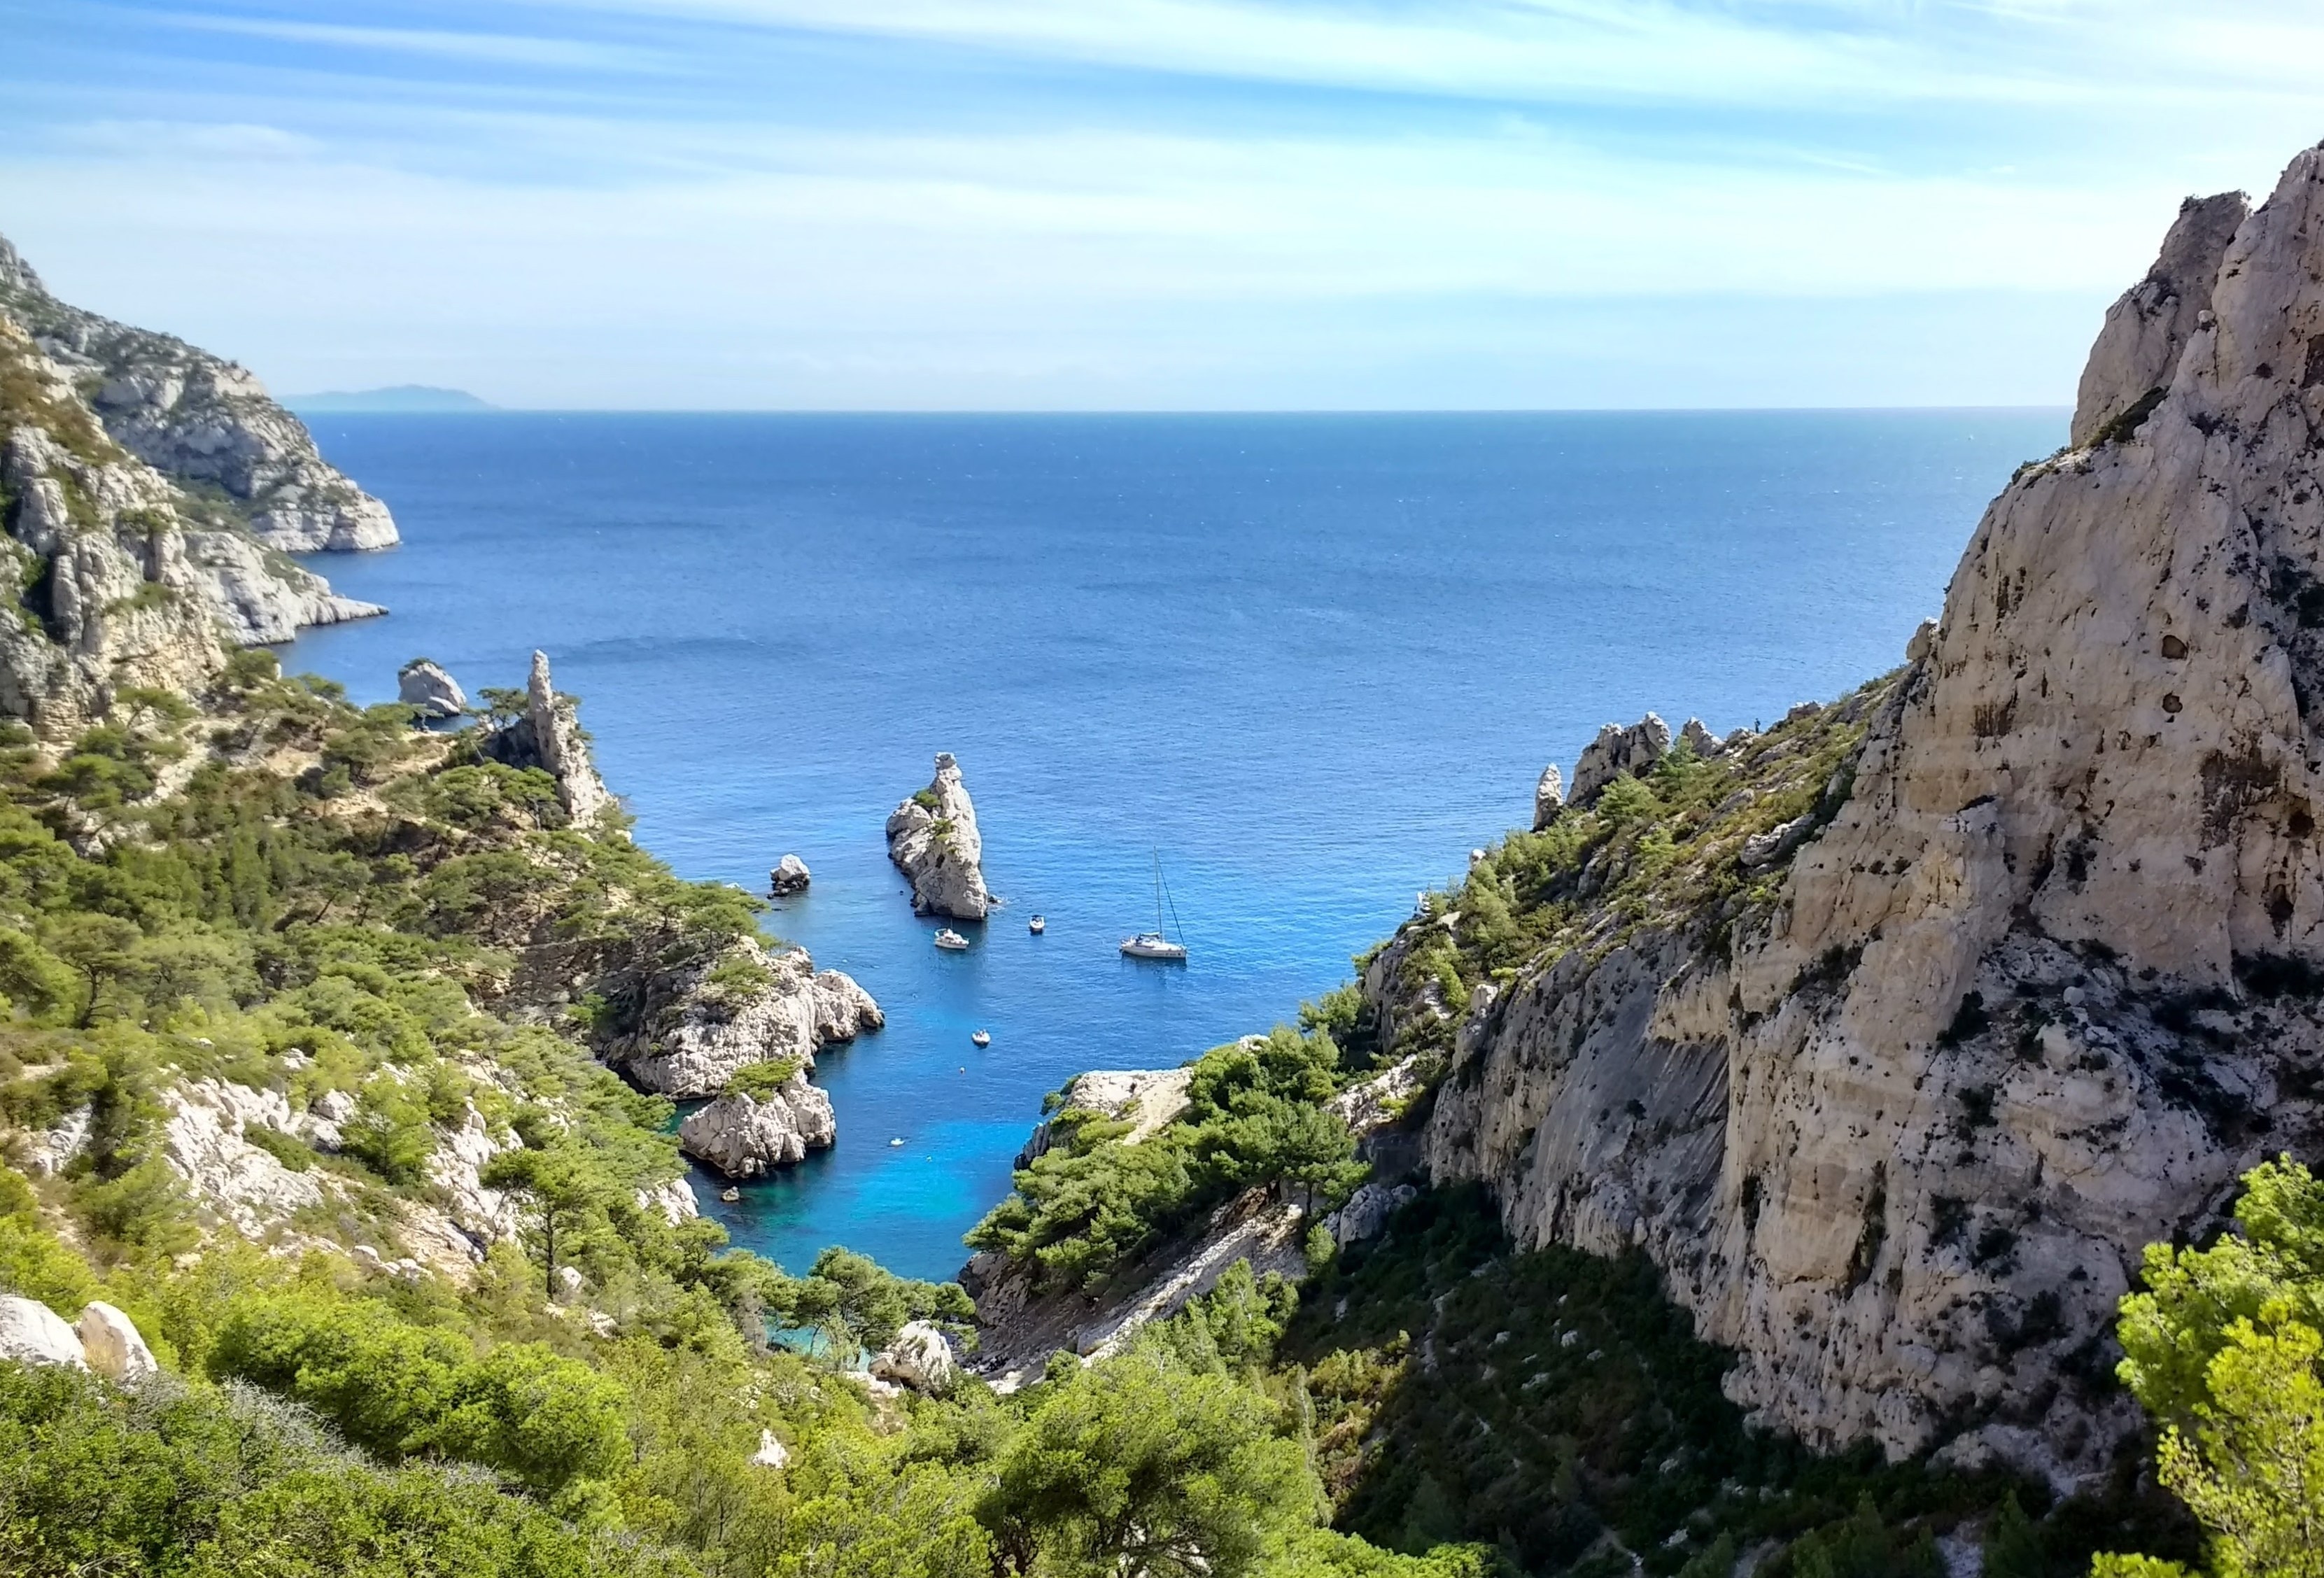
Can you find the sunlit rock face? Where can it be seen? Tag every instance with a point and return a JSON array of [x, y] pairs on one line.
[[2046, 983]]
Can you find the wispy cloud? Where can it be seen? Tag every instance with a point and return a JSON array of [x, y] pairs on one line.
[[506, 48], [864, 201]]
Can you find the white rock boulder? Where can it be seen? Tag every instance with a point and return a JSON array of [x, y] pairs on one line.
[[919, 1357], [31, 1332], [111, 1345], [423, 686], [789, 876]]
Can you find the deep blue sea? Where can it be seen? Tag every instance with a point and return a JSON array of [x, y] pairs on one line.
[[1308, 661]]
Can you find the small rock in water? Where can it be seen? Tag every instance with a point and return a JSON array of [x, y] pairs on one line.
[[789, 876]]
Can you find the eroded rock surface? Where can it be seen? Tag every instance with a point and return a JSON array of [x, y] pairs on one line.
[[747, 1136], [548, 735], [426, 688], [1617, 752], [934, 840], [112, 1346], [697, 1028], [2039, 978], [919, 1357], [200, 420]]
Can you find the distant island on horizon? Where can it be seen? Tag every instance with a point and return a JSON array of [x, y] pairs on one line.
[[401, 397]]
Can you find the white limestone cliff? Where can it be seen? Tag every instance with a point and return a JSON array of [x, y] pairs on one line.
[[199, 419], [2039, 978], [125, 582], [933, 839]]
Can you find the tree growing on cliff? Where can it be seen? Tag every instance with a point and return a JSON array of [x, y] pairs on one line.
[[2222, 1348], [562, 1186]]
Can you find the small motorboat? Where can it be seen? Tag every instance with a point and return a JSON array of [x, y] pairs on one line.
[[951, 940], [982, 1038], [895, 1142], [730, 1195], [1037, 924]]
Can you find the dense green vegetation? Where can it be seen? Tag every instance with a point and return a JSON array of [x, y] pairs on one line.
[[1664, 850], [1088, 1207]]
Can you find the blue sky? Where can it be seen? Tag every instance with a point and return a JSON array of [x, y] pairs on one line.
[[1139, 204]]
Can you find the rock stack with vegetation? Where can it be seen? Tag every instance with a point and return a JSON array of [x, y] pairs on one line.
[[933, 838]]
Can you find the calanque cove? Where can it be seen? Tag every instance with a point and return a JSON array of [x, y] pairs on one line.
[[1871, 1145]]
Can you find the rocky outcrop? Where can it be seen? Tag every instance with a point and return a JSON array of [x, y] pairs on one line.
[[201, 421], [934, 840], [123, 581], [2147, 331], [1548, 797], [231, 1181], [31, 1332], [2038, 978], [547, 734], [789, 876], [919, 1357], [112, 1346], [1617, 752], [424, 687], [1145, 1098], [744, 1135], [696, 1027]]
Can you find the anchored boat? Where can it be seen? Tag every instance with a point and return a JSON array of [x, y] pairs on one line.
[[1154, 945], [982, 1038], [951, 940], [1037, 924]]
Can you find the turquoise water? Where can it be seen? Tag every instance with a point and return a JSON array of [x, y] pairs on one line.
[[1309, 660]]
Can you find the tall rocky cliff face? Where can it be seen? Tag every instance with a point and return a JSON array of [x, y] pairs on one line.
[[205, 423], [125, 581], [2038, 975]]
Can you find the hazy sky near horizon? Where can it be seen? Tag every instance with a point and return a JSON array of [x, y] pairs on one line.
[[1139, 203]]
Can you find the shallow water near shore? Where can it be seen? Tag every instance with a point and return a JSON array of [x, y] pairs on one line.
[[1309, 662]]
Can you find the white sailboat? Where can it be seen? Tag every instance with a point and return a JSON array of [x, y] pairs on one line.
[[1154, 945]]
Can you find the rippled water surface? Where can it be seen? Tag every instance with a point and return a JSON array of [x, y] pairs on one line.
[[1310, 661]]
